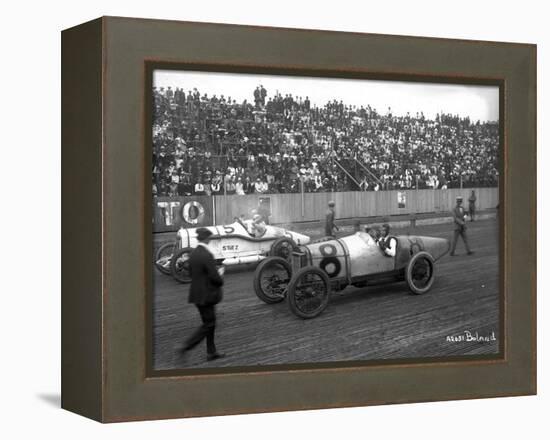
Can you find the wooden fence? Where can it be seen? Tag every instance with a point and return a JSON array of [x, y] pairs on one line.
[[292, 208]]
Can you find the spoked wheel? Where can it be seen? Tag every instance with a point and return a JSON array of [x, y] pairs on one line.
[[420, 273], [282, 247], [163, 257], [179, 265], [308, 292], [271, 279]]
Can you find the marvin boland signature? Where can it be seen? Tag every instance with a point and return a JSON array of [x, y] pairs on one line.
[[468, 336]]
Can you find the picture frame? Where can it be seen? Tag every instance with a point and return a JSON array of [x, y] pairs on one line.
[[107, 281]]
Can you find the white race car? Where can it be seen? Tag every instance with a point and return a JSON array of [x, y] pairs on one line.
[[237, 243], [331, 264]]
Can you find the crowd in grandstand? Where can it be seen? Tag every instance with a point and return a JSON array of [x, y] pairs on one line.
[[283, 143]]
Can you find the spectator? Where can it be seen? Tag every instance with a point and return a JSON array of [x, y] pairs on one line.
[[290, 144], [259, 186], [239, 188], [230, 186], [199, 188]]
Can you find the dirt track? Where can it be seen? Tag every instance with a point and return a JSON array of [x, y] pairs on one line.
[[382, 322]]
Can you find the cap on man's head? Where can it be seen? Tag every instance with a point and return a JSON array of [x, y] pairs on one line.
[[203, 234], [459, 199], [331, 203]]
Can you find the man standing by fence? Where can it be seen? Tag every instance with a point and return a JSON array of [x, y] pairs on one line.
[[329, 220], [459, 215], [472, 205]]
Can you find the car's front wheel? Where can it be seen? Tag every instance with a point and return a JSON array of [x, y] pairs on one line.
[[308, 292], [271, 279], [420, 273], [163, 257], [179, 265], [282, 247]]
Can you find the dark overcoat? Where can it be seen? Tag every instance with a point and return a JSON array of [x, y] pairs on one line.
[[206, 282]]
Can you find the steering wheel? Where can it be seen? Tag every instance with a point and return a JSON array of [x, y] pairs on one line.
[[238, 219]]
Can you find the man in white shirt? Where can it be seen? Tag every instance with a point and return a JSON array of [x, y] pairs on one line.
[[199, 188], [239, 188], [258, 186]]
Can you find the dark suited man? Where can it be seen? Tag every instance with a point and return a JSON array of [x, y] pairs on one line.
[[472, 205], [205, 292], [330, 226], [460, 227]]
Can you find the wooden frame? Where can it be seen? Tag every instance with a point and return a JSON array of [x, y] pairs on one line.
[[105, 176]]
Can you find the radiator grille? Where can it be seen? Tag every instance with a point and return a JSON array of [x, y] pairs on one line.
[[299, 260]]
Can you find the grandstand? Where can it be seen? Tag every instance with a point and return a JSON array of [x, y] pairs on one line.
[[212, 145]]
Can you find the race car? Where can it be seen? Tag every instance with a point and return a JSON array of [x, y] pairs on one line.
[[237, 243], [331, 264]]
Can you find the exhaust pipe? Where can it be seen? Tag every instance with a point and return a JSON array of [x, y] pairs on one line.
[[243, 260]]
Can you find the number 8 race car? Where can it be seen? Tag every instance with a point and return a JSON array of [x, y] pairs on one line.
[[332, 264], [231, 245]]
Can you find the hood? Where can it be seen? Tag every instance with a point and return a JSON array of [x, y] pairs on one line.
[[299, 239], [437, 247]]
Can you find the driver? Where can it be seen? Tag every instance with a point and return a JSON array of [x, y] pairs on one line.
[[386, 243], [258, 225]]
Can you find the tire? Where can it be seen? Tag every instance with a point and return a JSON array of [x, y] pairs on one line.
[[163, 257], [271, 286], [283, 247], [420, 273], [179, 267], [308, 292]]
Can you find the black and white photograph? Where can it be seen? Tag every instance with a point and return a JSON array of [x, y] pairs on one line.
[[286, 220], [315, 220]]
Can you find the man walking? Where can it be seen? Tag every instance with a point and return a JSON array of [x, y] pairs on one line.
[[460, 227], [329, 220], [205, 292]]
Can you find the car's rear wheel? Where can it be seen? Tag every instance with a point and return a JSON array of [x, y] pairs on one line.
[[163, 257], [271, 279], [282, 247], [179, 265], [308, 292], [420, 273]]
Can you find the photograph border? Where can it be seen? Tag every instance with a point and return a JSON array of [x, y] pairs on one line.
[[104, 291]]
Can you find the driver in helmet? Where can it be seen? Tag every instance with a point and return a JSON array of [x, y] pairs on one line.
[[258, 226]]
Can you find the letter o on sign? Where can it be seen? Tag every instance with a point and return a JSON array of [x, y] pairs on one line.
[[193, 213]]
